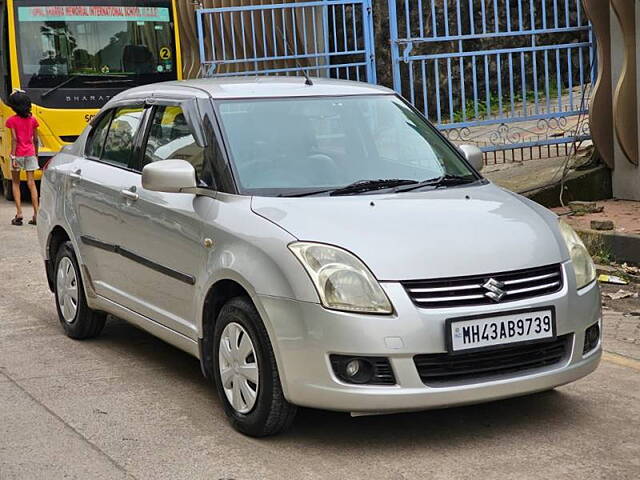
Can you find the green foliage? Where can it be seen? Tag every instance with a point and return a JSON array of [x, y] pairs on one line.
[[492, 108], [597, 247]]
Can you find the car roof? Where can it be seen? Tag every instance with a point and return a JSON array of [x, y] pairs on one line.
[[261, 87]]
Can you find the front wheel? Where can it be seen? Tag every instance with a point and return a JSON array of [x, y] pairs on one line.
[[246, 374], [77, 319]]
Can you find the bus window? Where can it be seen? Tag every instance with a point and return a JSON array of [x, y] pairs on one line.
[[90, 47]]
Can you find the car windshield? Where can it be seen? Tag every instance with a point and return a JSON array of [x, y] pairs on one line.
[[92, 45], [290, 146]]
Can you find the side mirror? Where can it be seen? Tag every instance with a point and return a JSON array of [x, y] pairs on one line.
[[473, 155], [171, 176]]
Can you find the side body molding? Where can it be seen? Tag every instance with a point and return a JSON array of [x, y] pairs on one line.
[[183, 277]]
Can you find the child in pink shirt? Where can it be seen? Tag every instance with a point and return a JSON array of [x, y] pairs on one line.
[[24, 151]]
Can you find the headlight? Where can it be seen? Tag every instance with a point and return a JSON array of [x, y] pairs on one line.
[[583, 265], [343, 282]]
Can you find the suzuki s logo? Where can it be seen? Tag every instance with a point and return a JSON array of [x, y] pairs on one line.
[[495, 289]]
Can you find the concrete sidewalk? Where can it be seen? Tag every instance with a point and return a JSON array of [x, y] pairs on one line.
[[127, 405]]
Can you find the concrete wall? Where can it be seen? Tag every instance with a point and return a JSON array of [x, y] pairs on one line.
[[625, 49], [614, 111]]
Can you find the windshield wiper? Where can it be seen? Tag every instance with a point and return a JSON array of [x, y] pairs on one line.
[[116, 78], [306, 194], [362, 186], [442, 181], [405, 185]]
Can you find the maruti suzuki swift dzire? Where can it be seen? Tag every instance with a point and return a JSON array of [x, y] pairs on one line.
[[314, 245]]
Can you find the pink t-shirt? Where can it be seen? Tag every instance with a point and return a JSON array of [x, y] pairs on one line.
[[24, 128]]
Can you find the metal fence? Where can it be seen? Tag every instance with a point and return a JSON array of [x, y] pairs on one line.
[[512, 76], [330, 38]]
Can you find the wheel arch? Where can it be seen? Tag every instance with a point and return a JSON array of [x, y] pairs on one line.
[[56, 238], [219, 292]]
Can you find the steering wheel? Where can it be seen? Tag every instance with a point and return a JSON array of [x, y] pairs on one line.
[[269, 170], [324, 168]]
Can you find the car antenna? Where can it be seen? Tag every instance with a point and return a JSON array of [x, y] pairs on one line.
[[307, 79]]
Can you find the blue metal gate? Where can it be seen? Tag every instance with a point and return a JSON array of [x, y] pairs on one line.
[[509, 75], [330, 38]]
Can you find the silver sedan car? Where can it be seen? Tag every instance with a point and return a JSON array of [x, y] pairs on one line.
[[313, 245]]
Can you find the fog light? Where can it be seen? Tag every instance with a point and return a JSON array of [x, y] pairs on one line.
[[363, 370], [353, 367], [591, 338], [357, 370]]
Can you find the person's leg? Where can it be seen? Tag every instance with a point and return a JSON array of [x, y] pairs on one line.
[[33, 191], [15, 185]]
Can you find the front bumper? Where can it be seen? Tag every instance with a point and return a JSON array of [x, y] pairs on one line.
[[305, 334]]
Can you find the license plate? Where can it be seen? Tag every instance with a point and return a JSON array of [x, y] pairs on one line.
[[487, 331]]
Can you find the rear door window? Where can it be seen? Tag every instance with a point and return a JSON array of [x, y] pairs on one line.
[[96, 140], [119, 142]]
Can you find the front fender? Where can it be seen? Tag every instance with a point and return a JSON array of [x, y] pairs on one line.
[[252, 252]]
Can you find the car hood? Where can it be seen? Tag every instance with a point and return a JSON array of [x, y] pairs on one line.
[[432, 234]]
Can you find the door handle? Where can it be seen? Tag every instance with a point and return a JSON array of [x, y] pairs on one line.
[[130, 194], [75, 176]]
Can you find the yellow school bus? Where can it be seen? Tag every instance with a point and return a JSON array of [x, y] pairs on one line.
[[71, 56]]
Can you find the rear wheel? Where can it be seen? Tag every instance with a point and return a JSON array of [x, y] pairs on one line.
[[246, 374], [77, 319]]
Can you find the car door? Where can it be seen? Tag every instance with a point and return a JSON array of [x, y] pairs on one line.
[[97, 192], [165, 241]]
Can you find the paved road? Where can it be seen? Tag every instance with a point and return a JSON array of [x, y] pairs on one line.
[[129, 406]]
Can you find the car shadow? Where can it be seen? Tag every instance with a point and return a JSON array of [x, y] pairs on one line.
[[145, 349], [449, 426], [456, 425]]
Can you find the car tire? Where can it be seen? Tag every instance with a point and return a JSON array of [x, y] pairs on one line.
[[265, 411], [77, 319], [7, 189]]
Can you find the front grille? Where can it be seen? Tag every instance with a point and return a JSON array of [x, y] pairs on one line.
[[441, 369], [469, 291]]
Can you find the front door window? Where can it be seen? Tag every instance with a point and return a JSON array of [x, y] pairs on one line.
[[170, 138]]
